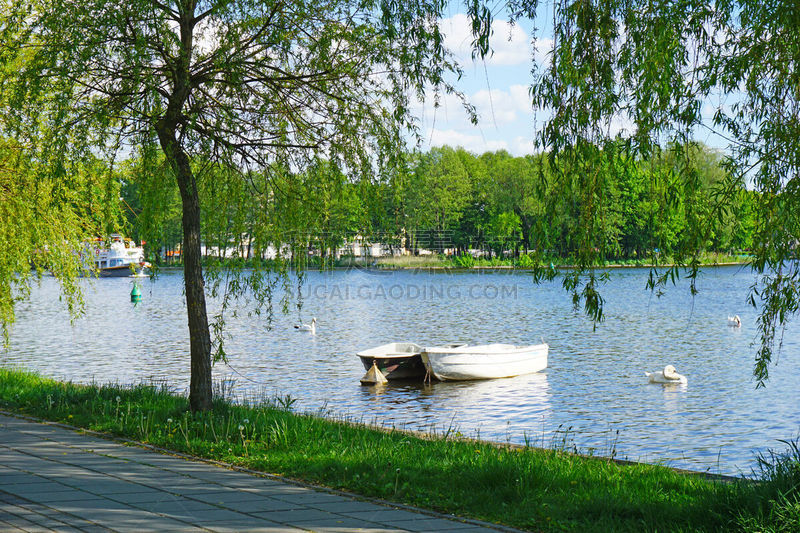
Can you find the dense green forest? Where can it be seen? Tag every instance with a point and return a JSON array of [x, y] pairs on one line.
[[449, 200]]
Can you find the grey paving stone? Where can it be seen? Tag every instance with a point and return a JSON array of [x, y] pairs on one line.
[[149, 496], [17, 522], [195, 491], [226, 478], [74, 521], [311, 497], [468, 529], [172, 483], [179, 504], [108, 486], [386, 515], [260, 505], [91, 506], [337, 524], [212, 515], [28, 464], [255, 526], [431, 524], [62, 496], [295, 515], [7, 527], [348, 506], [35, 489], [154, 523], [52, 524], [271, 488], [221, 497], [14, 479]]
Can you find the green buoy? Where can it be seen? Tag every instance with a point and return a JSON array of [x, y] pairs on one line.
[[136, 293]]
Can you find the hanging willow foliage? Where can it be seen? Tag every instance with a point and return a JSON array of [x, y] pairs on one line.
[[642, 75]]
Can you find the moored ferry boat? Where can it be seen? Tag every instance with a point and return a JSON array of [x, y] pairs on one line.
[[121, 257]]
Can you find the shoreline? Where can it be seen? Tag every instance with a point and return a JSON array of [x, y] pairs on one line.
[[538, 489], [480, 268]]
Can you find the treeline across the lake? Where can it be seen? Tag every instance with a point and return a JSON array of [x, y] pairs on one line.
[[451, 201]]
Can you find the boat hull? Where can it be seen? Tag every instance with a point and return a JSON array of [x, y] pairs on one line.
[[122, 271], [484, 362], [398, 360]]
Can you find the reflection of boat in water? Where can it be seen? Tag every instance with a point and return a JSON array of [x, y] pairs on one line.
[[120, 258], [454, 362], [396, 360]]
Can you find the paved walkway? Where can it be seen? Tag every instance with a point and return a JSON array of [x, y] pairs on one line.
[[55, 479]]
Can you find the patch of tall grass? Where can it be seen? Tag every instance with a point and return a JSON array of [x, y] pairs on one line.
[[528, 488]]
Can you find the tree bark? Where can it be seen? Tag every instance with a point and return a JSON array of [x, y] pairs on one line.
[[167, 128], [199, 337]]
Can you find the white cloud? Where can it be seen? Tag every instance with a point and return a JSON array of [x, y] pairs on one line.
[[522, 146], [471, 142], [520, 94], [495, 108], [498, 107], [510, 43]]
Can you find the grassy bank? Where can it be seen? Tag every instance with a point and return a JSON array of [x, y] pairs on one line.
[[435, 261], [524, 262], [538, 490]]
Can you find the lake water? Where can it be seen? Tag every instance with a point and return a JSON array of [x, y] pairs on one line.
[[594, 395]]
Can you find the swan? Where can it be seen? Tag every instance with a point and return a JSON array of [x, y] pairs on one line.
[[668, 375], [308, 327], [735, 321]]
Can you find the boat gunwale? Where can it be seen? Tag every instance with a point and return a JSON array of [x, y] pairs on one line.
[[481, 349], [378, 353], [388, 355]]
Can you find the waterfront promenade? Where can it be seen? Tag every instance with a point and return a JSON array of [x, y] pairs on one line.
[[55, 478]]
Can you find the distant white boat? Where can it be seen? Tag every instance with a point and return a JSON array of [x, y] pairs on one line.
[[117, 258], [454, 362]]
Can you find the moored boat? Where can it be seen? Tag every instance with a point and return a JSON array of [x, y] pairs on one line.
[[396, 360], [488, 361], [120, 258]]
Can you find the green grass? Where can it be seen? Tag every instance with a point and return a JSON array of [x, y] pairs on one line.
[[524, 262], [534, 489]]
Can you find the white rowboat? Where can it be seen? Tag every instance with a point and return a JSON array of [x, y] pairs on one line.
[[488, 361], [396, 360]]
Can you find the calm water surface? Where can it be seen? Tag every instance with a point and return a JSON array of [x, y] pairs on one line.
[[594, 386]]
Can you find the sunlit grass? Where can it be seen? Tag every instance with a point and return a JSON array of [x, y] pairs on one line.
[[535, 489], [524, 262]]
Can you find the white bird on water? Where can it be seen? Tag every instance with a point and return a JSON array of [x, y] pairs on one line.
[[735, 321], [308, 327], [668, 375]]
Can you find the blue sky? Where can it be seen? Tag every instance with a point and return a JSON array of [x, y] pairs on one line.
[[499, 88]]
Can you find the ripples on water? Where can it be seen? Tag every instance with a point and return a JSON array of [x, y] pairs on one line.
[[594, 385]]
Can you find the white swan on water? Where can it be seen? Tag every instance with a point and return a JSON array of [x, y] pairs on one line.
[[668, 375], [308, 327], [735, 321]]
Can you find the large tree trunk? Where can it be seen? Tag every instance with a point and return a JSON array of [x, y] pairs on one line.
[[167, 129], [199, 336]]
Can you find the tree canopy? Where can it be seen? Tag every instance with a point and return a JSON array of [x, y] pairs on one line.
[[645, 73], [221, 87]]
